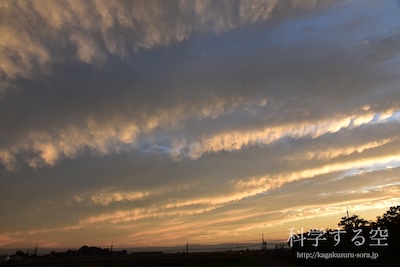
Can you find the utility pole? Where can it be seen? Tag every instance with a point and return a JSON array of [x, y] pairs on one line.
[[264, 243], [35, 251], [112, 245], [187, 246]]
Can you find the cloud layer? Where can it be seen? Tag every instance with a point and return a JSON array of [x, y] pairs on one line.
[[209, 119]]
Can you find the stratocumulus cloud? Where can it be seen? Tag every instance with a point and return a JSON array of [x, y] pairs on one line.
[[92, 30], [209, 119]]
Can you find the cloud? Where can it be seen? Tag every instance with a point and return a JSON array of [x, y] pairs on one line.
[[111, 126], [36, 34], [222, 98], [215, 119]]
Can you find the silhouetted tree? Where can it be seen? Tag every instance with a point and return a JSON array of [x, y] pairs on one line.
[[87, 251], [391, 221], [21, 254], [391, 218], [84, 250], [353, 222]]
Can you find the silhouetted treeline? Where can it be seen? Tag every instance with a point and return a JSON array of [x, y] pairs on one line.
[[355, 235], [89, 251]]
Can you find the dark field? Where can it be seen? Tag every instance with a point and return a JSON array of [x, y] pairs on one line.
[[148, 260]]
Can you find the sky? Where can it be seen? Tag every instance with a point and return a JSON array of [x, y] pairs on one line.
[[156, 123]]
